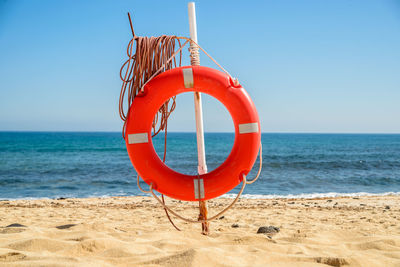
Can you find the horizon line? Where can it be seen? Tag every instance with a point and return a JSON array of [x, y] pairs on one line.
[[271, 132]]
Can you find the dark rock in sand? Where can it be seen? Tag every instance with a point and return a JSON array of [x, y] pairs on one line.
[[268, 230], [16, 225], [61, 198], [235, 225], [220, 218], [387, 207], [65, 226]]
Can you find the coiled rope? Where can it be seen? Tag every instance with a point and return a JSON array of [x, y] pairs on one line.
[[152, 56]]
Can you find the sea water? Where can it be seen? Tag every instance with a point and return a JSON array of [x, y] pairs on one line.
[[93, 164]]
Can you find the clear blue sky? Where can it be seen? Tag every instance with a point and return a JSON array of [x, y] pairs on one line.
[[310, 66]]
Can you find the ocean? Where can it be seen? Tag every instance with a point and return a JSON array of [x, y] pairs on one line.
[[95, 164]]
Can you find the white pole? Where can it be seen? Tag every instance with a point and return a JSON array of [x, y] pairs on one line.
[[201, 155]]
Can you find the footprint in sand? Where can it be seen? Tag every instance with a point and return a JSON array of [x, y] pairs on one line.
[[13, 228], [12, 256], [65, 226]]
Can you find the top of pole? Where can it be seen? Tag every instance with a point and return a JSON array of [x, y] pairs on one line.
[[192, 21]]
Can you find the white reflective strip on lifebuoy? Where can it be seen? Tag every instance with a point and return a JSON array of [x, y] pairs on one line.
[[138, 138], [248, 128], [198, 188], [188, 77]]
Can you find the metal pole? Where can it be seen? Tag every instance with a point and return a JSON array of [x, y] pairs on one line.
[[201, 155]]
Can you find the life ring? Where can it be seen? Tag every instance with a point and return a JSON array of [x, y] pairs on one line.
[[145, 159]]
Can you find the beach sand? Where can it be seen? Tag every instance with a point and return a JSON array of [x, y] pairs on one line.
[[134, 231]]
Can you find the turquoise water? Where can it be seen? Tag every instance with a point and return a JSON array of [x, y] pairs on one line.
[[57, 164]]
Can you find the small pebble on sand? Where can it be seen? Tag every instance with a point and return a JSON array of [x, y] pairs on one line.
[[268, 230]]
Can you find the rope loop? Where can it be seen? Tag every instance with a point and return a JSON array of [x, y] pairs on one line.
[[199, 221], [141, 189], [259, 168]]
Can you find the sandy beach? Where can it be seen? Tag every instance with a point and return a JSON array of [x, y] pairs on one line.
[[133, 231]]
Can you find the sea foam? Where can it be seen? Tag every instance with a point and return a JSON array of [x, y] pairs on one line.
[[312, 195]]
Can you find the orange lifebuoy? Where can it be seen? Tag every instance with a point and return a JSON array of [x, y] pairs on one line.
[[145, 159]]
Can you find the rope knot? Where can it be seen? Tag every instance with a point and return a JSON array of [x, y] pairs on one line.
[[194, 54]]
